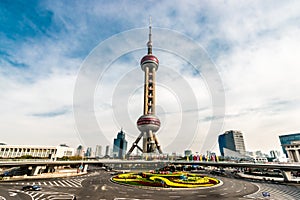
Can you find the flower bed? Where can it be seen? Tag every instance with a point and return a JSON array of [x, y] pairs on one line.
[[174, 180]]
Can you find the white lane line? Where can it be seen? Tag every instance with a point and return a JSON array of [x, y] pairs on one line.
[[45, 183], [50, 183]]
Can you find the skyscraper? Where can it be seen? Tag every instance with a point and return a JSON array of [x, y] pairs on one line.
[[98, 151], [148, 124], [120, 146], [79, 151], [232, 142], [88, 152], [107, 154]]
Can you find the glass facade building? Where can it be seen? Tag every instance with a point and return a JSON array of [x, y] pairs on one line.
[[233, 141], [120, 146]]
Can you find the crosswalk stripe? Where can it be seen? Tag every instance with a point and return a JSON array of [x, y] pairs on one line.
[[61, 183], [75, 184], [65, 182], [55, 183]]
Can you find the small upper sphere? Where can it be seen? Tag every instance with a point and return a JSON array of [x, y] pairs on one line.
[[149, 58], [149, 61]]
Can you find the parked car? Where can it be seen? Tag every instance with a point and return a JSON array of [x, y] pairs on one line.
[[31, 187]]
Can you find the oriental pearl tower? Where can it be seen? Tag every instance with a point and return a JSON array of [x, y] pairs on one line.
[[148, 124]]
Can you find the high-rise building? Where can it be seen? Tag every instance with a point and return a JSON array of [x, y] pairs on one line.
[[120, 146], [148, 124], [187, 152], [288, 139], [88, 152], [79, 151], [107, 154], [232, 141], [98, 151]]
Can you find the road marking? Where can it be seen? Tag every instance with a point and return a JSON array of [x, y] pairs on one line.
[[55, 183], [35, 194], [103, 187], [61, 183], [67, 183], [12, 194], [74, 183], [40, 196]]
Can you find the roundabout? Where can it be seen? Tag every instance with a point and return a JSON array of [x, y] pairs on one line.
[[166, 180]]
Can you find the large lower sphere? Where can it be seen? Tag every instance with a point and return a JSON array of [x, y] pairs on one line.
[[148, 122]]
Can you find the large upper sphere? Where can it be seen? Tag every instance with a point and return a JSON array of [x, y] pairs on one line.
[[150, 61], [148, 122]]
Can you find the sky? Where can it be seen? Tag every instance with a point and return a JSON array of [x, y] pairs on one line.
[[70, 73]]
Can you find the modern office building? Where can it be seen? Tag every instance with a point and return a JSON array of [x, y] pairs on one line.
[[231, 144], [47, 152], [98, 151], [288, 139], [120, 146]]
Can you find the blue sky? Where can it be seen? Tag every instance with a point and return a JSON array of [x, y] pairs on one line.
[[254, 46]]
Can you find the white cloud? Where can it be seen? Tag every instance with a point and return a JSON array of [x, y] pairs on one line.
[[255, 46]]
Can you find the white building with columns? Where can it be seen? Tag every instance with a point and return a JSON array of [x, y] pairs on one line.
[[47, 152], [293, 151]]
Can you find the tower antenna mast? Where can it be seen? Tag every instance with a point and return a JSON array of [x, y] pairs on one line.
[[149, 44]]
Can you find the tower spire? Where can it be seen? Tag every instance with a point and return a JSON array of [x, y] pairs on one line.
[[149, 43]]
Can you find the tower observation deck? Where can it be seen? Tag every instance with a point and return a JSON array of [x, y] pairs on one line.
[[148, 124]]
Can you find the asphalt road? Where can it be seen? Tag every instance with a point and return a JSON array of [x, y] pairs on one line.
[[97, 186]]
